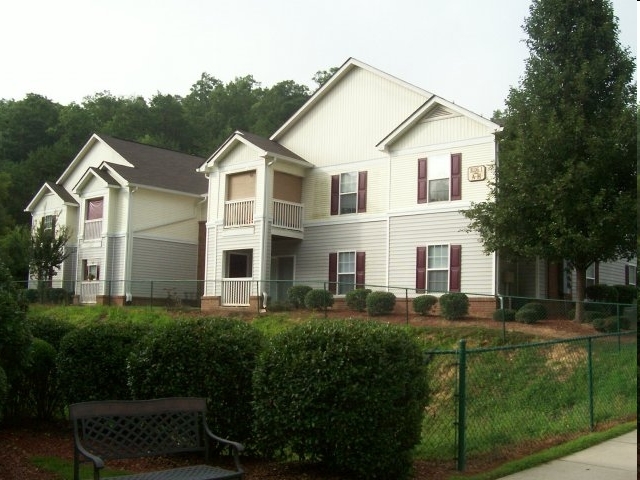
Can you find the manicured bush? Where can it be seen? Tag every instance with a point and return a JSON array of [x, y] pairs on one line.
[[348, 394], [380, 303], [626, 293], [296, 294], [610, 324], [454, 306], [4, 389], [504, 314], [318, 299], [49, 328], [92, 360], [423, 304], [538, 309], [206, 357], [43, 397], [601, 293], [527, 315], [357, 299]]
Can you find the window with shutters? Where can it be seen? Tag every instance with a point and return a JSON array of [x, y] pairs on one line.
[[349, 193], [346, 271], [439, 178], [49, 222], [91, 270], [438, 268]]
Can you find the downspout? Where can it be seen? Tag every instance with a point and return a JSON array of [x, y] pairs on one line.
[[128, 264], [496, 257]]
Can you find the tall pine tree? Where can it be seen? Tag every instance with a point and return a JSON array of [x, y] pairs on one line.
[[565, 184]]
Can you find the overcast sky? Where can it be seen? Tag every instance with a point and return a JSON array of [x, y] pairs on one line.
[[467, 51]]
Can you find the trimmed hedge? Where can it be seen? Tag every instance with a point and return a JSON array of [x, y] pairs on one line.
[[296, 295], [318, 299], [43, 397], [423, 304], [380, 303], [206, 357], [610, 324], [49, 328], [348, 394], [531, 312], [454, 306], [357, 299], [4, 390], [504, 314], [92, 361]]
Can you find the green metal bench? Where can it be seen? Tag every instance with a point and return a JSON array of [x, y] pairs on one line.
[[118, 429]]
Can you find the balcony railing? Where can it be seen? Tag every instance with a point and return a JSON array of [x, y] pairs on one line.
[[88, 291], [238, 213], [236, 292], [92, 229], [287, 215]]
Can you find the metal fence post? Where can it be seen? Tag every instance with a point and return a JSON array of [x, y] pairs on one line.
[[590, 381], [151, 301], [462, 399], [406, 300]]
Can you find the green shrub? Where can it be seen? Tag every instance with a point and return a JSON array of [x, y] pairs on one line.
[[537, 308], [626, 294], [346, 393], [380, 303], [205, 357], [423, 304], [504, 314], [318, 299], [527, 315], [357, 299], [454, 306], [49, 328], [43, 397], [92, 360], [296, 295], [4, 390], [610, 324], [601, 293]]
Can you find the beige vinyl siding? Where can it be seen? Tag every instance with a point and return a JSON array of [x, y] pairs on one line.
[[443, 129], [351, 119], [403, 181], [97, 154], [408, 232], [115, 267], [312, 255], [612, 273], [161, 214]]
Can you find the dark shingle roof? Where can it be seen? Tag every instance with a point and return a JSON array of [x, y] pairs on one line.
[[158, 167], [61, 192], [269, 145]]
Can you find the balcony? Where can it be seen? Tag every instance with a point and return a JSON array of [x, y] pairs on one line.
[[236, 292], [238, 213], [287, 215]]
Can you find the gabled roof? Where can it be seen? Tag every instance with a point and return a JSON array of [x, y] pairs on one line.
[[50, 187], [427, 107], [319, 94], [264, 146], [158, 167], [92, 172]]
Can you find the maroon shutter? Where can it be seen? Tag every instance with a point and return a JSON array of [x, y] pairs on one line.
[[360, 257], [333, 272], [97, 272], [422, 180], [335, 194], [455, 261], [626, 274], [456, 176], [362, 192], [421, 269]]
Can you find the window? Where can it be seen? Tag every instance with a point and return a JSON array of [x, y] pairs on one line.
[[346, 271], [94, 209], [438, 268], [630, 274], [439, 178], [349, 193], [592, 274], [49, 222], [91, 270]]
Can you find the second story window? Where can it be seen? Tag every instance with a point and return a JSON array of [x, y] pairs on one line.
[[49, 222], [349, 193], [94, 208], [93, 218], [439, 178]]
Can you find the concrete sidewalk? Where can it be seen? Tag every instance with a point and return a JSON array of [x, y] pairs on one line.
[[615, 459]]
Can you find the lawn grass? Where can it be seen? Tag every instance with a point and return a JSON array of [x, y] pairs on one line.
[[64, 468]]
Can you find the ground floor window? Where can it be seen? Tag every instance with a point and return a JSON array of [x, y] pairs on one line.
[[91, 269]]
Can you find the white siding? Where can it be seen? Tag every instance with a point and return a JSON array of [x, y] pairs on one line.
[[97, 154], [411, 231], [163, 215], [351, 119]]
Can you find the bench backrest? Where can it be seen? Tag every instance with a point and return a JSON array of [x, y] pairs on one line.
[[133, 428]]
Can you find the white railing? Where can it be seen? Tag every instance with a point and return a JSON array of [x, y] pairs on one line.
[[89, 291], [92, 229], [287, 215], [235, 292], [238, 213]]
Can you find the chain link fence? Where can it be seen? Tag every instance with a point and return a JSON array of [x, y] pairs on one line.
[[485, 402]]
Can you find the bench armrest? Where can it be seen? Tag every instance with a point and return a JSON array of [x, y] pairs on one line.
[[98, 463], [236, 447]]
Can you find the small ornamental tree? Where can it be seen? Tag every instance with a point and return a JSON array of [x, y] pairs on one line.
[[47, 250]]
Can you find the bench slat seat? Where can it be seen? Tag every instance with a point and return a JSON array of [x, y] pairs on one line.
[[118, 429]]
